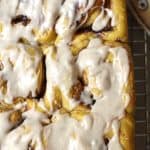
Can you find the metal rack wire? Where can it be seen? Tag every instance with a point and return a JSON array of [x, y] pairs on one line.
[[140, 45]]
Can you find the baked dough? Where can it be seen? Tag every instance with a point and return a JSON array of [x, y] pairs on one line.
[[66, 76], [21, 71]]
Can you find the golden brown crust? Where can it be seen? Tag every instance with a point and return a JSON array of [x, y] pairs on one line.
[[127, 127]]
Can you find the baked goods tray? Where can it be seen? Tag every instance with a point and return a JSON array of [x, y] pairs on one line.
[[140, 45]]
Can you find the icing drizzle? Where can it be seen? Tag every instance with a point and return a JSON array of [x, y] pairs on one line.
[[106, 69]]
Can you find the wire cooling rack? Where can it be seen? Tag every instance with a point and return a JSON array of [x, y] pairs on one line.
[[140, 45]]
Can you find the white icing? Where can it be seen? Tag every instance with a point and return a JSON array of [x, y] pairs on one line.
[[29, 130], [51, 12], [103, 75], [86, 96], [82, 135], [19, 70], [114, 142], [5, 125], [42, 13], [62, 70], [103, 19], [88, 133], [71, 12], [110, 78]]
